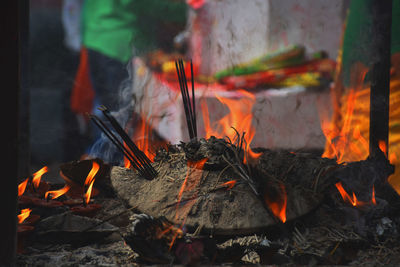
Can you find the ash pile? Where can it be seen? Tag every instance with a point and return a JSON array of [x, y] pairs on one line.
[[207, 206], [211, 203], [216, 201]]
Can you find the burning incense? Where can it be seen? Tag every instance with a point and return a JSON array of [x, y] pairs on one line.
[[137, 158], [189, 106]]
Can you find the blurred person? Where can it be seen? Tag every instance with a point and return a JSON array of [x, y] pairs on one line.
[[112, 32]]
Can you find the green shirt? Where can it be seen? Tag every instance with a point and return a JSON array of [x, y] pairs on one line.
[[116, 28], [108, 27]]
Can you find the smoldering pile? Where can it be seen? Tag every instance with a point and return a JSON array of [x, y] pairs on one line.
[[205, 194]]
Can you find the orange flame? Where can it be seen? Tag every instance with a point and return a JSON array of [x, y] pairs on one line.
[[192, 179], [24, 214], [89, 192], [347, 132], [239, 117], [353, 200], [373, 200], [229, 184], [57, 193], [90, 181], [337, 139], [22, 187], [196, 165], [92, 173], [278, 207], [143, 137], [127, 163], [37, 176], [383, 147], [345, 196]]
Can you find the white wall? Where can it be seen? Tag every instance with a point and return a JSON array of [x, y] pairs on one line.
[[228, 32]]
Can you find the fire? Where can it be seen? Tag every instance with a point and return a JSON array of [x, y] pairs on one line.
[[57, 193], [347, 132], [353, 199], [22, 187], [239, 117], [89, 192], [338, 139], [373, 200], [383, 147], [143, 137], [229, 184], [37, 176], [24, 214], [127, 163], [345, 196], [191, 181], [278, 205], [92, 173], [90, 181]]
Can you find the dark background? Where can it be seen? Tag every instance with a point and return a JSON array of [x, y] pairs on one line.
[[54, 134]]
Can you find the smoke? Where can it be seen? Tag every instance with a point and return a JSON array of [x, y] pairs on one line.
[[103, 148]]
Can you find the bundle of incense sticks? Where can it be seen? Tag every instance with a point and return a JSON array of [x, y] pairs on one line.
[[137, 158], [189, 106]]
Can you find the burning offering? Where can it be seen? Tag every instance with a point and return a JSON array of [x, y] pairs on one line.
[[200, 169]]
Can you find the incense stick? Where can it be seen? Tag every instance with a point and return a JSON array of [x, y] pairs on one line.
[[114, 139], [136, 157], [140, 156], [189, 106]]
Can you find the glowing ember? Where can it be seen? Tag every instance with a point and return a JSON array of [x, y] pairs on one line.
[[373, 200], [22, 187], [57, 193], [90, 181], [24, 214], [278, 206], [37, 176], [229, 184]]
